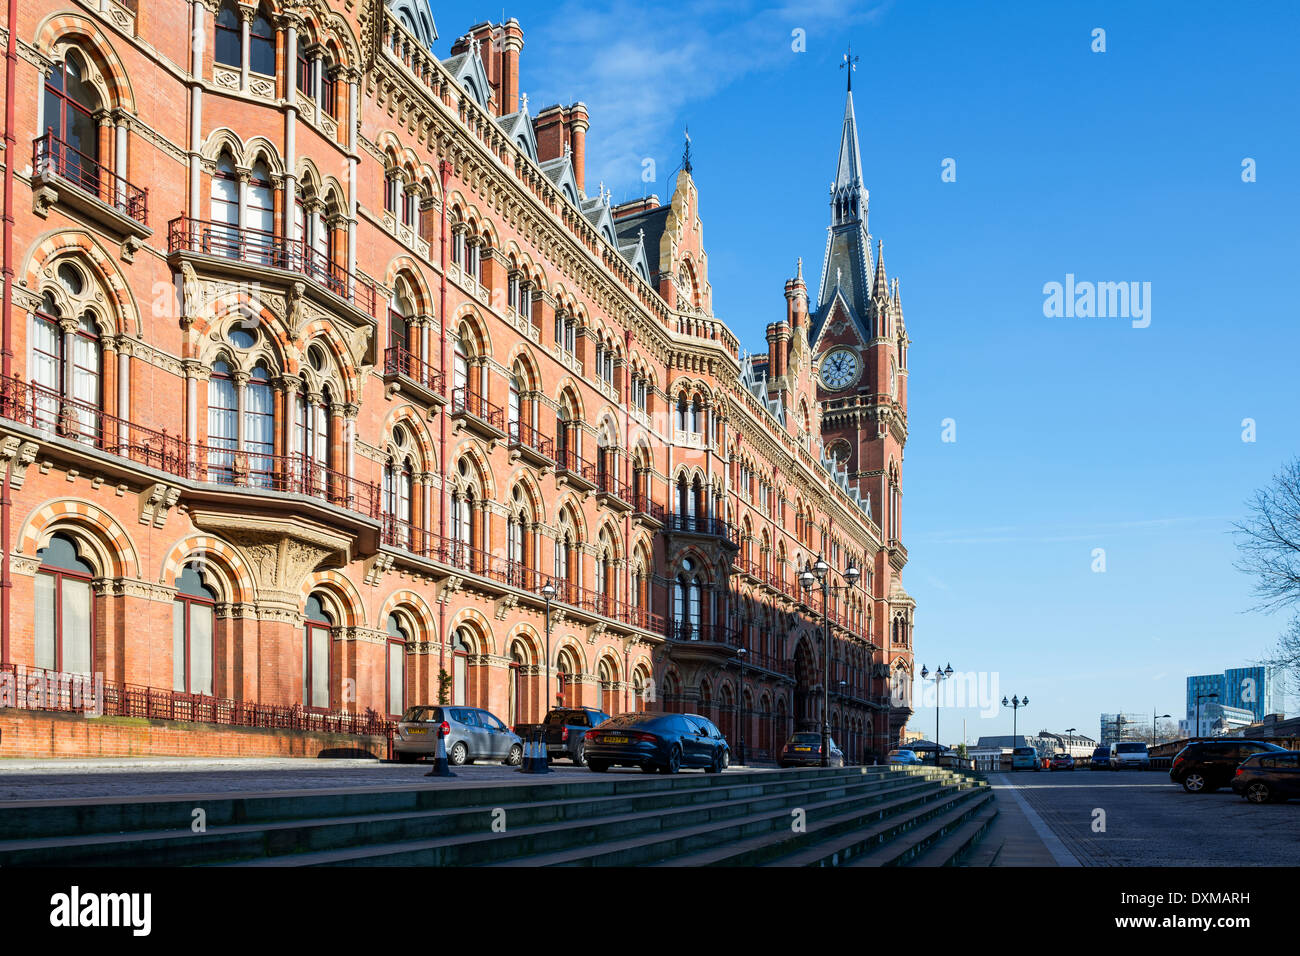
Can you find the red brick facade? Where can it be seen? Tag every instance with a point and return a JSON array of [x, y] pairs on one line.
[[337, 337]]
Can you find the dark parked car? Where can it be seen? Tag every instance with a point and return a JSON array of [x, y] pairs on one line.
[[1100, 759], [564, 730], [805, 750], [664, 742], [1268, 776], [1206, 765]]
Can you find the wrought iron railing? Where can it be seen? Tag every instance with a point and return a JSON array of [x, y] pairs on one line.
[[399, 361], [521, 433], [262, 248], [465, 400], [220, 463], [51, 154]]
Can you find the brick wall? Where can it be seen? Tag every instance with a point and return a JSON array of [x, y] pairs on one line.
[[37, 734]]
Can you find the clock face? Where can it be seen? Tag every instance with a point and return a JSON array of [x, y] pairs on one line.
[[839, 369]]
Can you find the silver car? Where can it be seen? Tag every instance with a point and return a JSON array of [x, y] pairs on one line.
[[471, 734]]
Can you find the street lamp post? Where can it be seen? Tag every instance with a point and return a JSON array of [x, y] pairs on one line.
[[740, 658], [1015, 706], [1154, 718], [543, 762], [816, 573], [939, 675]]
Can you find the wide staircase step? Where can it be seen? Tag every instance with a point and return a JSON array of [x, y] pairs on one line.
[[736, 818]]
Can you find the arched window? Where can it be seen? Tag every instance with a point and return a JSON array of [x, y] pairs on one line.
[[229, 45], [460, 363], [70, 107], [259, 428], [460, 666], [395, 667], [317, 679], [687, 592], [66, 363], [311, 436], [399, 479], [604, 686], [63, 618], [193, 615], [261, 212], [512, 403], [225, 200], [223, 422], [262, 44]]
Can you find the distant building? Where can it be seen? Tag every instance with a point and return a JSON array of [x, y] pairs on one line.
[[1216, 720], [1273, 725], [1124, 726], [1255, 689], [1045, 742]]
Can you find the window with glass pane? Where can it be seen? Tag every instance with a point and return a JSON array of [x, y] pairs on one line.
[[223, 411], [228, 47], [225, 209], [262, 44], [316, 655], [193, 614], [259, 428], [396, 667], [63, 621], [70, 107]]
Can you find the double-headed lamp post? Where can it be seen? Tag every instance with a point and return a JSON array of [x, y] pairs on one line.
[[1015, 706], [548, 593], [817, 573], [938, 678]]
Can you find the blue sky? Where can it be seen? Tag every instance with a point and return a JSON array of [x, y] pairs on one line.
[[1072, 433]]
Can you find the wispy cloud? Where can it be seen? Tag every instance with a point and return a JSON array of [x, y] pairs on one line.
[[641, 67]]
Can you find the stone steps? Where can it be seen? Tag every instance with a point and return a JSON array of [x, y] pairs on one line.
[[736, 818]]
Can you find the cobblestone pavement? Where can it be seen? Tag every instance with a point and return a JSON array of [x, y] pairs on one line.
[[1152, 822], [28, 780]]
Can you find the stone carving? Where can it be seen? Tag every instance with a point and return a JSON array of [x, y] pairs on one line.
[[156, 501], [19, 453]]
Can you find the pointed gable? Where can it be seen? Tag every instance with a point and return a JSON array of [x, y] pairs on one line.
[[846, 265]]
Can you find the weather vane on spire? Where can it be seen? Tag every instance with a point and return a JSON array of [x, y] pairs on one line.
[[686, 153], [850, 61]]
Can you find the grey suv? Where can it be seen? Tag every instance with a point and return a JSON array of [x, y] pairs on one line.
[[471, 734]]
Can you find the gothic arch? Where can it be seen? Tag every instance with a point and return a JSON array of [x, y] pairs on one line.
[[53, 247], [344, 598], [114, 552], [233, 572], [61, 31]]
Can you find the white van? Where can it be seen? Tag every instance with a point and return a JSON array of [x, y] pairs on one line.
[[1129, 753]]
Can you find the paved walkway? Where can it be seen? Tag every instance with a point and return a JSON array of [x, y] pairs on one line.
[[1018, 836]]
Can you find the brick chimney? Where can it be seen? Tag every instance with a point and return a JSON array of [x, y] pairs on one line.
[[634, 206], [579, 123], [512, 43], [552, 130]]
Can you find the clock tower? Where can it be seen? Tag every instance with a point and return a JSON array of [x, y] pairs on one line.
[[860, 346]]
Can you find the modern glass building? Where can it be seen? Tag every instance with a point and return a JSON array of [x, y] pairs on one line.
[[1255, 689]]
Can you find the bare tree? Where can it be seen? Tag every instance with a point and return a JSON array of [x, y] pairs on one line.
[[1268, 540]]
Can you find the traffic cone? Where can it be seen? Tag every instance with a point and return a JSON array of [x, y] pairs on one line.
[[441, 768], [528, 764], [543, 765]]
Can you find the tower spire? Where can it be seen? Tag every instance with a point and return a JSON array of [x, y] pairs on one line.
[[686, 152]]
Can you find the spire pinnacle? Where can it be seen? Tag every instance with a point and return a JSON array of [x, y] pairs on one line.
[[849, 64], [686, 152]]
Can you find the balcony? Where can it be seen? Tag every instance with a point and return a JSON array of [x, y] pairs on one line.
[[472, 411], [647, 511], [253, 253], [75, 180], [532, 446], [84, 426], [701, 526], [402, 367], [692, 641], [576, 471], [613, 491]]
